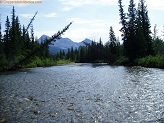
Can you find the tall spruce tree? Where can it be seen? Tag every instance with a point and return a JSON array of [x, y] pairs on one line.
[[7, 40], [101, 50], [18, 38], [112, 46], [130, 45], [145, 25], [13, 37], [123, 22], [23, 41], [2, 55], [136, 32], [32, 38], [112, 40]]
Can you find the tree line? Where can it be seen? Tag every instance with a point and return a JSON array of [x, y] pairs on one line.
[[94, 51], [17, 42], [138, 40]]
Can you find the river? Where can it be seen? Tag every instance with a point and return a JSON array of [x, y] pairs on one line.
[[82, 93]]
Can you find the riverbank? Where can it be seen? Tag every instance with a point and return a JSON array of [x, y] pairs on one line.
[[38, 62], [149, 62]]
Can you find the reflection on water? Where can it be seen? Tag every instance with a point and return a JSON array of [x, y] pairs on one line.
[[83, 93]]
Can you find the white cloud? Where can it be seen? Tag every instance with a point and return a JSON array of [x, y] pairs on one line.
[[79, 34], [15, 5], [94, 23], [92, 29], [155, 4], [67, 8], [50, 15], [77, 3], [27, 15], [152, 4]]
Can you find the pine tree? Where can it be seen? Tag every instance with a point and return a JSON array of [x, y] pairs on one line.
[[32, 38], [155, 32], [23, 40], [124, 29], [112, 47], [6, 39], [140, 44], [61, 54], [82, 54], [2, 55], [130, 45], [122, 21], [145, 25], [72, 54], [18, 33], [13, 37], [100, 50]]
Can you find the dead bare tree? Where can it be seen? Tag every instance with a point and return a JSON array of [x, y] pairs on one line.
[[29, 57]]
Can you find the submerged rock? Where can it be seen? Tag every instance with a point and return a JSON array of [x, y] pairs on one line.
[[35, 111]]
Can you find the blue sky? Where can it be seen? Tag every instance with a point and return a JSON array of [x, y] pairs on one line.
[[92, 18]]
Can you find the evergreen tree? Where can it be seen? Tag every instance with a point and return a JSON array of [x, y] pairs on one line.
[[122, 21], [18, 33], [69, 53], [130, 45], [6, 39], [72, 54], [82, 54], [32, 38], [140, 38], [145, 25], [155, 32], [23, 41], [0, 30], [27, 42], [158, 45], [2, 55], [100, 50], [113, 45], [61, 54], [13, 37]]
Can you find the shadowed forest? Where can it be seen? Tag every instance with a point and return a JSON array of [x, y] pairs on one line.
[[140, 46]]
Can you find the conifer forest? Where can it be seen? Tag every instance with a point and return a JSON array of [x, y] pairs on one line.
[[141, 46]]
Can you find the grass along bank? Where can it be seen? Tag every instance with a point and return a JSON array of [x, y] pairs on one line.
[[39, 62], [151, 61]]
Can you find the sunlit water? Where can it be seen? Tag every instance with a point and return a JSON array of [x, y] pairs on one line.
[[83, 93]]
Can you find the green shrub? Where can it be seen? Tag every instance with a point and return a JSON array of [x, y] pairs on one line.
[[48, 62], [62, 62], [151, 61], [122, 61]]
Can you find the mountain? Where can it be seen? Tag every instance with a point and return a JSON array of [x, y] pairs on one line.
[[42, 38], [63, 44]]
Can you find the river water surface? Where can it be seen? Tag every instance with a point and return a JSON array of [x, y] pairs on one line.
[[82, 93]]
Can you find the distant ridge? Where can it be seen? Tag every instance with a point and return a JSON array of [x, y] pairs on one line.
[[63, 44]]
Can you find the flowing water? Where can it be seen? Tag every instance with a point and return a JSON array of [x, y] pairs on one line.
[[82, 93]]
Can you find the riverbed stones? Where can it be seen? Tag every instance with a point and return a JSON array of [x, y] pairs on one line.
[[53, 114], [35, 111], [3, 120], [84, 94]]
